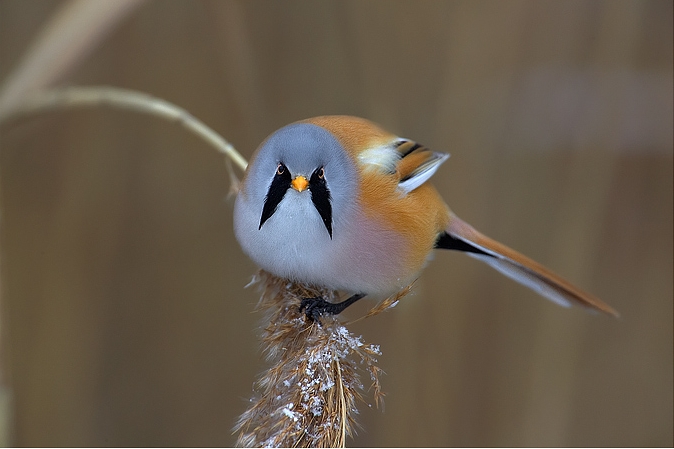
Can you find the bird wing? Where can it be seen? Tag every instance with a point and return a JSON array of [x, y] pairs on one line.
[[416, 164], [410, 162]]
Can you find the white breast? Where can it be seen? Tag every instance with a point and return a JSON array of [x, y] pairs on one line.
[[362, 257]]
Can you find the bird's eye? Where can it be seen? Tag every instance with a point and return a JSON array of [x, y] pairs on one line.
[[321, 173], [280, 169]]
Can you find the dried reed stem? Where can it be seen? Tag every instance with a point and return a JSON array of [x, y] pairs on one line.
[[97, 96], [307, 398]]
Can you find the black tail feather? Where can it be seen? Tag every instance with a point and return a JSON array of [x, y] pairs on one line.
[[446, 241]]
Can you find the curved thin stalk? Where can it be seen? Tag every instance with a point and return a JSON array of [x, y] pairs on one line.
[[77, 97]]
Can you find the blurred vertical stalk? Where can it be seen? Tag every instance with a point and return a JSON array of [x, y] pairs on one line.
[[67, 38]]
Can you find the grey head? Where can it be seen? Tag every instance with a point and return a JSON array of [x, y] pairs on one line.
[[290, 231]]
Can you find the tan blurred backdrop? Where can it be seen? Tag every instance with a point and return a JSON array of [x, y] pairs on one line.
[[125, 317]]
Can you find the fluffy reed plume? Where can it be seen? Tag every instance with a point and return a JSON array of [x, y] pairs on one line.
[[307, 398]]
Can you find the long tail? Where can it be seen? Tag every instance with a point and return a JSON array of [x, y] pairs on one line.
[[461, 236]]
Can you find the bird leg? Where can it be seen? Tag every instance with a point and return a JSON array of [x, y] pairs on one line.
[[314, 308]]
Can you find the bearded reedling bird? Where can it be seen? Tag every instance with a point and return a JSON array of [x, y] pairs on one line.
[[339, 203]]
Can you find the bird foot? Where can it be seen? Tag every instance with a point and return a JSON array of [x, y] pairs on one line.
[[314, 308]]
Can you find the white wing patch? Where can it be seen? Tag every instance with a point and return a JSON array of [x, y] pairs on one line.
[[384, 158]]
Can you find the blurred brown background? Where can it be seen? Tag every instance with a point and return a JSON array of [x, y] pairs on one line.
[[125, 317]]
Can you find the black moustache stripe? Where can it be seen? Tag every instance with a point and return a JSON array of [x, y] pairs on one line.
[[320, 196], [277, 190]]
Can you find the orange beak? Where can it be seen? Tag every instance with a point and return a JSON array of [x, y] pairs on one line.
[[299, 183]]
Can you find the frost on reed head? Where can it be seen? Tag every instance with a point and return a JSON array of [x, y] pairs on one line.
[[307, 398]]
